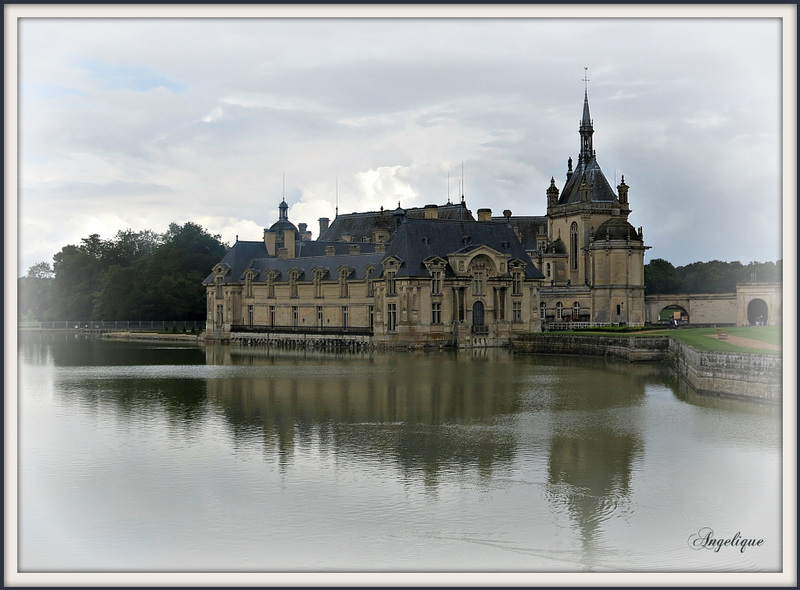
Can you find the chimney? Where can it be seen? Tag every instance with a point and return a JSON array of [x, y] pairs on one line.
[[288, 242], [330, 250], [380, 247], [484, 214], [305, 235], [269, 242], [355, 248], [507, 214], [431, 212], [323, 225], [347, 238], [283, 253]]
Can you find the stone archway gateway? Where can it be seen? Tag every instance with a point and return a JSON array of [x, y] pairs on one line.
[[757, 312], [673, 312]]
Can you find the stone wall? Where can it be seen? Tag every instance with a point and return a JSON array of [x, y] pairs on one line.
[[750, 376], [629, 348], [731, 374]]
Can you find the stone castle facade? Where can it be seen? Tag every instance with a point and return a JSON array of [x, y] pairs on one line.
[[436, 276]]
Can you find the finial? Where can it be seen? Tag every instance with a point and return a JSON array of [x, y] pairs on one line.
[[586, 80]]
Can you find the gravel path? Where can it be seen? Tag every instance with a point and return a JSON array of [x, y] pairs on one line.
[[748, 342]]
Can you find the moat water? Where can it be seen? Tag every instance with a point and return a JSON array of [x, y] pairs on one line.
[[136, 457]]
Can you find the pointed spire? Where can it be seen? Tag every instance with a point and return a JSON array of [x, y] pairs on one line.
[[586, 128]]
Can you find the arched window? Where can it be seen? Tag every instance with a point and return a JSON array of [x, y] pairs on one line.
[[548, 270], [573, 245], [559, 310], [576, 310], [542, 309]]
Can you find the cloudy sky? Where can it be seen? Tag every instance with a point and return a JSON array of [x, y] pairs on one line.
[[136, 123]]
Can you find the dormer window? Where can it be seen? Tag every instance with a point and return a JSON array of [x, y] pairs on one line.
[[293, 276], [344, 289], [318, 274]]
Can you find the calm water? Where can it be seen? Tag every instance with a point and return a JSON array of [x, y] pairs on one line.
[[156, 457]]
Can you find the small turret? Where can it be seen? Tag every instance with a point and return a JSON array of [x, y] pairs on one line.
[[552, 194], [622, 190]]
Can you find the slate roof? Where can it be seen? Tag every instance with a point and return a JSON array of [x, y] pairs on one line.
[[616, 228], [416, 240], [357, 262], [238, 259], [362, 225], [528, 227], [306, 248], [600, 190]]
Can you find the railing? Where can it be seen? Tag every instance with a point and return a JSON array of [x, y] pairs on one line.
[[324, 330], [567, 325], [480, 330]]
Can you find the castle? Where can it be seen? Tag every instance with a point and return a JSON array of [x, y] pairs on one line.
[[435, 275]]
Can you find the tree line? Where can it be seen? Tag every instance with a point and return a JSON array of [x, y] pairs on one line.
[[707, 277], [150, 276], [133, 276]]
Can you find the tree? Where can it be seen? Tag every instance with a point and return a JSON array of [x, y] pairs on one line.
[[660, 277], [41, 270], [35, 293]]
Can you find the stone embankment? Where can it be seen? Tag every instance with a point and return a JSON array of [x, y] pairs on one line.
[[751, 376], [627, 348], [153, 336]]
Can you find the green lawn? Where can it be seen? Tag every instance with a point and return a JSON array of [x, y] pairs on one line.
[[699, 337]]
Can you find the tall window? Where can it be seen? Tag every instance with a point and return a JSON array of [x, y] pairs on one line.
[[319, 316], [516, 312], [391, 317], [344, 290], [345, 316], [548, 270], [436, 313], [250, 315], [271, 315], [371, 313], [295, 315], [573, 243], [436, 282], [559, 310], [478, 283], [390, 284], [369, 281], [516, 282], [293, 284], [318, 283], [218, 284], [542, 310], [248, 285], [220, 315], [271, 285], [576, 310], [501, 303]]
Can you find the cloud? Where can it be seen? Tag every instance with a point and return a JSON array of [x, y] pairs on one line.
[[149, 121]]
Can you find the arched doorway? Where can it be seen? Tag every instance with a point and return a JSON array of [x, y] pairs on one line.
[[671, 312], [477, 314], [757, 312]]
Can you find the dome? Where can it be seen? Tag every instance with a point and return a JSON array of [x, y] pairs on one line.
[[281, 225], [616, 228], [283, 222], [559, 247]]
